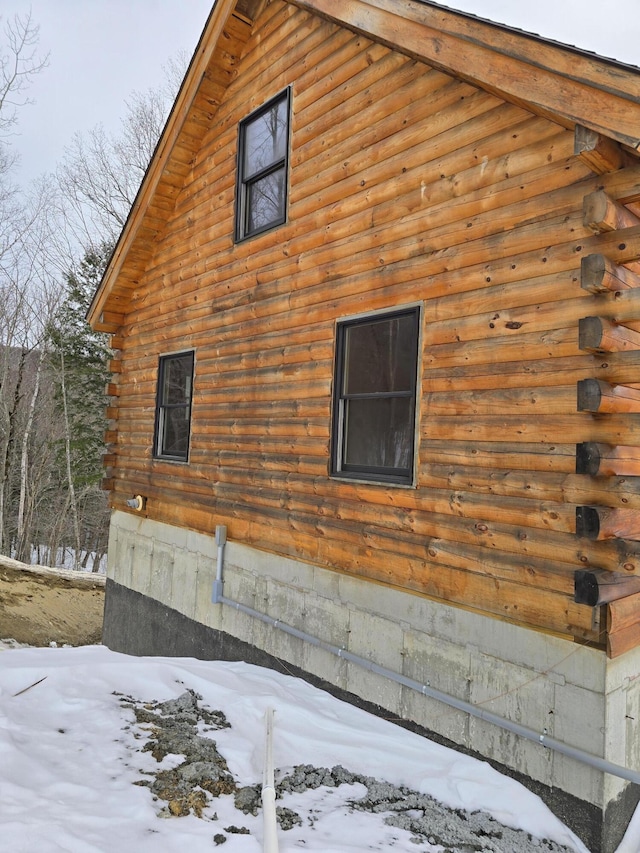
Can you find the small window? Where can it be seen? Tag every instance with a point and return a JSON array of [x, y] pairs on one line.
[[173, 406], [263, 149], [375, 397]]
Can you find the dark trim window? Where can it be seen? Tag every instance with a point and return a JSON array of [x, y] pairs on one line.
[[173, 406], [263, 152], [374, 407]]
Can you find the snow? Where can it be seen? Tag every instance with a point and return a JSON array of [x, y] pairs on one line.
[[69, 755], [65, 558]]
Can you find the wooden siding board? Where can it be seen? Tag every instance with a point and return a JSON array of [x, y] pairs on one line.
[[315, 272], [347, 222], [342, 56], [512, 295], [367, 98], [500, 456], [525, 374], [501, 322], [512, 401], [556, 489], [615, 429]]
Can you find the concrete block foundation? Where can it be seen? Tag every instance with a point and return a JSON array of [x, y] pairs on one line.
[[158, 601]]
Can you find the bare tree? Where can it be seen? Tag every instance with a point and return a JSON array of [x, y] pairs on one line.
[[23, 444], [54, 242], [19, 64], [21, 218], [101, 173]]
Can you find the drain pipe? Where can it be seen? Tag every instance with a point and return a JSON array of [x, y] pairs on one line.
[[459, 704], [270, 843], [221, 539]]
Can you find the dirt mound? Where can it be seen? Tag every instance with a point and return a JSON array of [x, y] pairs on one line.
[[40, 606]]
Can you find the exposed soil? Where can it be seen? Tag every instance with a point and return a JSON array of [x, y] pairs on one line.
[[183, 727], [41, 606]]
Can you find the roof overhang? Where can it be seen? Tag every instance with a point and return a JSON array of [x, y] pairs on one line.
[[209, 73], [569, 85]]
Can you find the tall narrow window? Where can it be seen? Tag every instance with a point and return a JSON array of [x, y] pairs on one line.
[[173, 406], [375, 397], [263, 148]]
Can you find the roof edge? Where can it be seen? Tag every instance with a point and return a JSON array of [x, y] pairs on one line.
[[211, 33], [579, 51], [554, 79]]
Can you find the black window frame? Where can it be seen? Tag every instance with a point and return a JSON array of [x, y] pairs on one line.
[[163, 406], [244, 182], [370, 473]]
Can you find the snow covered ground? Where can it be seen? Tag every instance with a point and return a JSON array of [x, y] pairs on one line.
[[70, 753]]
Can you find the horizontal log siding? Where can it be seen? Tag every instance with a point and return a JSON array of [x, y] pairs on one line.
[[406, 186]]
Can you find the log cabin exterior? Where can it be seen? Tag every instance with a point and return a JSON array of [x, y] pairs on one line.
[[395, 355]]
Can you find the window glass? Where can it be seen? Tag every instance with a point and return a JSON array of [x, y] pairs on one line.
[[173, 406], [177, 380], [379, 433], [265, 139], [375, 397], [380, 356], [175, 434], [261, 182], [266, 200]]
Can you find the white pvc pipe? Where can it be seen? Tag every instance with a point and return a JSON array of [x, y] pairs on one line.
[[270, 828]]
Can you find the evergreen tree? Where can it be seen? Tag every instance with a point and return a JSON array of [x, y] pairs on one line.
[[80, 358], [80, 364]]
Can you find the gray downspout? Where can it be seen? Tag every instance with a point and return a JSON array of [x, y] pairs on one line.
[[459, 704]]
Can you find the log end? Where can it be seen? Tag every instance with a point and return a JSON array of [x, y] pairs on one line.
[[587, 458], [589, 395], [587, 522], [586, 589]]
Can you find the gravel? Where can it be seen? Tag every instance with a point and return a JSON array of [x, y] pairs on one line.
[[203, 776]]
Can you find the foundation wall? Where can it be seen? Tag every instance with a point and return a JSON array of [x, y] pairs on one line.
[[567, 691]]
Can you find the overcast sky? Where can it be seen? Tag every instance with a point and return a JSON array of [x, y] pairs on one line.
[[102, 50]]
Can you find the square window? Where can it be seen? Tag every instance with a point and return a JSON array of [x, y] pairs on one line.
[[374, 405], [263, 149], [173, 406]]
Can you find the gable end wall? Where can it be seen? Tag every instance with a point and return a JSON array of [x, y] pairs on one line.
[[406, 187]]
